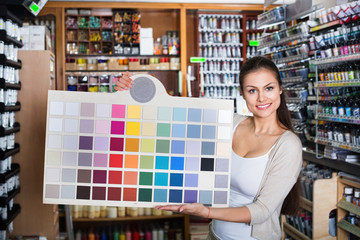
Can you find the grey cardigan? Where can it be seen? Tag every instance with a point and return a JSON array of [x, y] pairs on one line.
[[281, 173]]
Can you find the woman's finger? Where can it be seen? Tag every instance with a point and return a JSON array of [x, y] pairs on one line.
[[173, 208]]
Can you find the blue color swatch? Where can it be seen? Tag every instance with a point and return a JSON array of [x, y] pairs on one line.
[[161, 179], [177, 147], [178, 130], [177, 163], [176, 179]]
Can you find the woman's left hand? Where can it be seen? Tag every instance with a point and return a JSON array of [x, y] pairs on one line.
[[196, 209]]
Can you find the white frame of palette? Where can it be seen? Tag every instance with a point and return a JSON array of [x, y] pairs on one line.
[[56, 122]]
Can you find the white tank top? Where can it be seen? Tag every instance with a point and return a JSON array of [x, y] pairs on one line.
[[246, 176]]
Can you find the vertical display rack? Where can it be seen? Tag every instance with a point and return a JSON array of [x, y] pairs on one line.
[[9, 86]]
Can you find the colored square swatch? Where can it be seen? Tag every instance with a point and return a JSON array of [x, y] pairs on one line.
[[194, 115], [162, 146], [146, 178], [145, 195], [98, 193], [163, 130], [178, 130], [114, 194], [148, 129], [118, 111], [177, 163], [164, 113], [116, 161], [193, 131], [101, 143], [87, 109], [86, 126], [207, 148], [147, 145], [115, 177], [134, 112], [161, 179], [177, 147], [102, 126], [129, 194], [133, 128], [131, 161], [190, 196], [207, 164], [176, 179], [149, 112], [130, 178], [117, 127], [116, 144], [179, 114], [175, 196], [146, 162], [85, 142], [160, 195], [83, 192], [162, 162], [209, 116], [132, 145], [208, 132]]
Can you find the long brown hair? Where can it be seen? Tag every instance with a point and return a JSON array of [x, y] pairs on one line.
[[292, 201]]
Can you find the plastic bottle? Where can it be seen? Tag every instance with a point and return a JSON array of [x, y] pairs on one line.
[[341, 108], [347, 134], [355, 109], [348, 107]]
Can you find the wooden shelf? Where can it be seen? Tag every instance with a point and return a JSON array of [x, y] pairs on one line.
[[349, 207], [306, 204], [128, 218], [294, 233], [344, 225]]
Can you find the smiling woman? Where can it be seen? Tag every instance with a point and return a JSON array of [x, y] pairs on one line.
[[266, 161]]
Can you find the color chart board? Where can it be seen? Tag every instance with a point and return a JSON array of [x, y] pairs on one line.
[[137, 148]]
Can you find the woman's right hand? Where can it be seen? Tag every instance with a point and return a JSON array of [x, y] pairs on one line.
[[124, 83]]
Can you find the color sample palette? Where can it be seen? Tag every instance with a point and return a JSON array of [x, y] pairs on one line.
[[137, 148]]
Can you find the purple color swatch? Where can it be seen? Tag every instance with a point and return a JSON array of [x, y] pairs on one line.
[[221, 181], [86, 126], [85, 142], [191, 180], [85, 159], [190, 196], [101, 144], [100, 160]]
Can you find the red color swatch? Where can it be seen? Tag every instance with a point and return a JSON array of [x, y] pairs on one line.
[[115, 177], [129, 194], [116, 160], [114, 194]]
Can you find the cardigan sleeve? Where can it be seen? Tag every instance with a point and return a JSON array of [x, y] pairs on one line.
[[286, 161]]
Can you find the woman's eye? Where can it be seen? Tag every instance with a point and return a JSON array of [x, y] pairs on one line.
[[252, 90], [269, 88]]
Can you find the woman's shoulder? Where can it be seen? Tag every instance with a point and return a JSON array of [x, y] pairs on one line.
[[290, 140], [239, 119]]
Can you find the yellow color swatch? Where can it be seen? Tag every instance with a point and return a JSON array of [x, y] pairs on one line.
[[131, 161], [133, 128], [134, 111], [148, 129]]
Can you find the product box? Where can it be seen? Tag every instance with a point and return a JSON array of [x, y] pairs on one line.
[[155, 66], [102, 66], [114, 66], [25, 37], [134, 65], [165, 66], [39, 38], [146, 33], [145, 67], [81, 66], [91, 66], [175, 66], [70, 66], [146, 46], [123, 67]]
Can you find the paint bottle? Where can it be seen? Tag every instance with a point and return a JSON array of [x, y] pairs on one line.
[[91, 213], [356, 198], [154, 233], [78, 235], [128, 233], [141, 234], [116, 233], [147, 234], [91, 235], [160, 233], [122, 234], [97, 234], [84, 236], [103, 234]]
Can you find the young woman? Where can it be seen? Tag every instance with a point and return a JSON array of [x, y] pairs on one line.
[[266, 161]]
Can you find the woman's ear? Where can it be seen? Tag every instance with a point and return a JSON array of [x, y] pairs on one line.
[[281, 90]]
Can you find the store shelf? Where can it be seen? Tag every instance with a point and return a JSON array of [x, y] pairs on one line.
[[220, 44], [9, 152], [335, 164], [306, 204], [9, 40], [221, 30], [11, 216], [352, 83], [8, 62], [294, 100], [5, 200], [15, 169], [294, 233], [9, 130], [337, 118], [292, 79], [128, 218], [11, 108], [325, 26], [5, 13], [221, 84], [338, 144], [349, 207], [220, 97], [223, 59], [292, 38], [220, 72], [290, 59], [107, 56], [322, 98], [128, 70], [321, 61], [349, 227], [5, 85]]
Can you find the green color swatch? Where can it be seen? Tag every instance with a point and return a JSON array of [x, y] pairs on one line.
[[147, 162], [146, 178], [145, 195], [162, 146], [163, 130]]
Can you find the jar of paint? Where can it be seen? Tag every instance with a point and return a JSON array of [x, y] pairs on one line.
[[147, 211], [83, 88], [348, 194], [91, 212], [111, 212], [121, 211], [156, 212], [103, 211], [133, 211], [141, 211], [104, 88], [93, 88]]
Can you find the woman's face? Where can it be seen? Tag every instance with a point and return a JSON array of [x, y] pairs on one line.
[[262, 92]]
